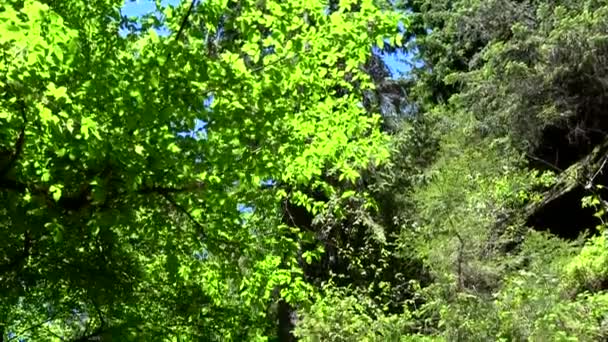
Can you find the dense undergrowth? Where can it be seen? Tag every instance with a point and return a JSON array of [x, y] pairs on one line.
[[515, 93]]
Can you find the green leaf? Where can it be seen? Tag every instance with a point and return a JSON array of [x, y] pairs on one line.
[[57, 233], [57, 92], [55, 191], [139, 149], [347, 194], [45, 114], [380, 42], [174, 148]]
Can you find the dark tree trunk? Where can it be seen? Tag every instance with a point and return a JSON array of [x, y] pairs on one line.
[[287, 322]]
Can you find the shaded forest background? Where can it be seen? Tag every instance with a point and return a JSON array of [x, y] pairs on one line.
[[464, 200]]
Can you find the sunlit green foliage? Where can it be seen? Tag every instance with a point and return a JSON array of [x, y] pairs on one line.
[[254, 171], [116, 227], [340, 316]]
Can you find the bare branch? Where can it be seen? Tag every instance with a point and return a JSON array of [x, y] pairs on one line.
[[554, 167]]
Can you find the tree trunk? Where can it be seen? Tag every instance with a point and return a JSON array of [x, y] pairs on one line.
[[286, 322]]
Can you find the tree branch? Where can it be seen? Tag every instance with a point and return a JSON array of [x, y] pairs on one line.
[[185, 20], [9, 184], [93, 336], [20, 334], [80, 200], [554, 167], [172, 201], [170, 190], [21, 257], [276, 61], [18, 149]]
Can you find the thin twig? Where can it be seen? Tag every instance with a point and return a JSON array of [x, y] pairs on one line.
[[599, 170]]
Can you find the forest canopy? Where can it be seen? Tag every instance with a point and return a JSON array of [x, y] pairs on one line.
[[246, 170]]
